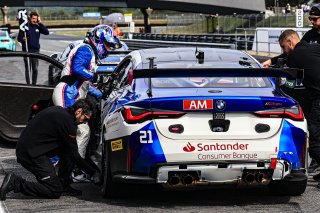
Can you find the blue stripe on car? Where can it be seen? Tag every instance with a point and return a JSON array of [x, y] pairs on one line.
[[145, 155], [292, 140]]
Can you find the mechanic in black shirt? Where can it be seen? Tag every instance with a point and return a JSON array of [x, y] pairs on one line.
[[312, 36], [52, 131], [303, 55]]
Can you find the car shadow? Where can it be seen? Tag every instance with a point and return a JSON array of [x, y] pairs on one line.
[[152, 196], [7, 144]]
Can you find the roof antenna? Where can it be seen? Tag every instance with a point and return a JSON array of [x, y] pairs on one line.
[[199, 56]]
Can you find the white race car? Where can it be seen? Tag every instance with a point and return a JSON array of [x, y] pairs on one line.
[[183, 118]]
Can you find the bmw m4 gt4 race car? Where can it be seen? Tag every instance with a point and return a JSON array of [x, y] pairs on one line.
[[184, 118]]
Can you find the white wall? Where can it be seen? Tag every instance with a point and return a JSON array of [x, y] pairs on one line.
[[266, 39]]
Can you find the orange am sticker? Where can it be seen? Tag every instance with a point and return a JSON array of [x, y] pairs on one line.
[[197, 104]]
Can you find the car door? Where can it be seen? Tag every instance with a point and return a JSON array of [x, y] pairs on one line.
[[18, 98]]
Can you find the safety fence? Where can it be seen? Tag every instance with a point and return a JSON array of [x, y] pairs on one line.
[[135, 44], [239, 41], [186, 23]]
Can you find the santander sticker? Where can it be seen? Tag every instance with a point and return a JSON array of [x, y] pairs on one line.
[[197, 104], [189, 148]]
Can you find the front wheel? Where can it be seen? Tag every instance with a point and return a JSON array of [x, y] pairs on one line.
[[285, 187]]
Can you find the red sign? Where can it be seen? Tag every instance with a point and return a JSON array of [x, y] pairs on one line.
[[197, 104]]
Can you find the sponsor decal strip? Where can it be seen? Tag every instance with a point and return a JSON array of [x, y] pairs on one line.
[[116, 145], [200, 147]]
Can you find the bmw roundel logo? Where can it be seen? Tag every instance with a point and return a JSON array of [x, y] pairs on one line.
[[220, 105]]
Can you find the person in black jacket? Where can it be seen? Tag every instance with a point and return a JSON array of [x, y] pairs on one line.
[[52, 131], [303, 55], [30, 43], [311, 36]]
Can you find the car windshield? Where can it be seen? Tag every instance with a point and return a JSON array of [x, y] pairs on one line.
[[212, 82]]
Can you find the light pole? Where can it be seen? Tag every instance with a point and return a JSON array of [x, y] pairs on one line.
[[149, 11], [5, 10]]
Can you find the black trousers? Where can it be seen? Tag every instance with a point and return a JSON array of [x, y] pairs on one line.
[[31, 68], [49, 185], [314, 130]]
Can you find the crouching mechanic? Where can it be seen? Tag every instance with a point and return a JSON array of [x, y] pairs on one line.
[[51, 132], [78, 74]]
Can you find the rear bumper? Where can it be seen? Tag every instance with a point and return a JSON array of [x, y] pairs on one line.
[[247, 174]]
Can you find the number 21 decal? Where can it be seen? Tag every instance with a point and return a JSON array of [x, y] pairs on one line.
[[146, 136]]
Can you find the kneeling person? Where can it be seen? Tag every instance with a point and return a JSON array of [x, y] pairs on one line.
[[51, 132]]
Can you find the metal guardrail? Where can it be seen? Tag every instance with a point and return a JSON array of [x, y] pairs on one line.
[[135, 44], [237, 41]]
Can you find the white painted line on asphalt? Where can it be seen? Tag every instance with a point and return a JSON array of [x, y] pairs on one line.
[[3, 207], [8, 157]]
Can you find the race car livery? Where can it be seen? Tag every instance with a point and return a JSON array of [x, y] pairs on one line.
[[181, 121]]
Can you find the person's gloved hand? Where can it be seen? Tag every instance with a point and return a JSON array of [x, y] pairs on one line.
[[96, 178]]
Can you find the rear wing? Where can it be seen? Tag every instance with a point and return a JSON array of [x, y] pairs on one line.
[[219, 72], [288, 73]]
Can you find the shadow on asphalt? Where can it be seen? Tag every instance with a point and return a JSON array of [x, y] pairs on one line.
[[153, 196], [7, 144]]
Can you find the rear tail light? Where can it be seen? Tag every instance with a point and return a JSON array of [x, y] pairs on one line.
[[138, 115], [294, 113], [273, 163], [5, 40]]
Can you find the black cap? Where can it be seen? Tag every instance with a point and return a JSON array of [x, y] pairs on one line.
[[315, 10]]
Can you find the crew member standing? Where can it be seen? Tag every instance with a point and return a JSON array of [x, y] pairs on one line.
[[306, 56], [31, 43], [312, 36], [52, 131], [78, 75]]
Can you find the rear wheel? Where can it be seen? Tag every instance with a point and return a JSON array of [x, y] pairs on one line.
[[284, 187]]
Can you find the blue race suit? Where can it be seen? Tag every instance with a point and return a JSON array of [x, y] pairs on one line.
[[76, 76], [75, 84]]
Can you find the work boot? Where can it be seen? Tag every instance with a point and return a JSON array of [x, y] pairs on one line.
[[7, 185], [316, 177], [68, 190]]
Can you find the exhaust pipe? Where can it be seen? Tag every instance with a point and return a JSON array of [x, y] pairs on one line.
[[187, 179], [174, 179], [249, 178], [259, 177]]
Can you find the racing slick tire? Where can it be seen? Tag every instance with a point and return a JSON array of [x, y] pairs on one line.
[[285, 187], [110, 189]]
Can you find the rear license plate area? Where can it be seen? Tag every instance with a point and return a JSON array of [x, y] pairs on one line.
[[218, 123]]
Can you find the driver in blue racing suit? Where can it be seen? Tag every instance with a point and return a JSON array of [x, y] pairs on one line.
[[78, 74]]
